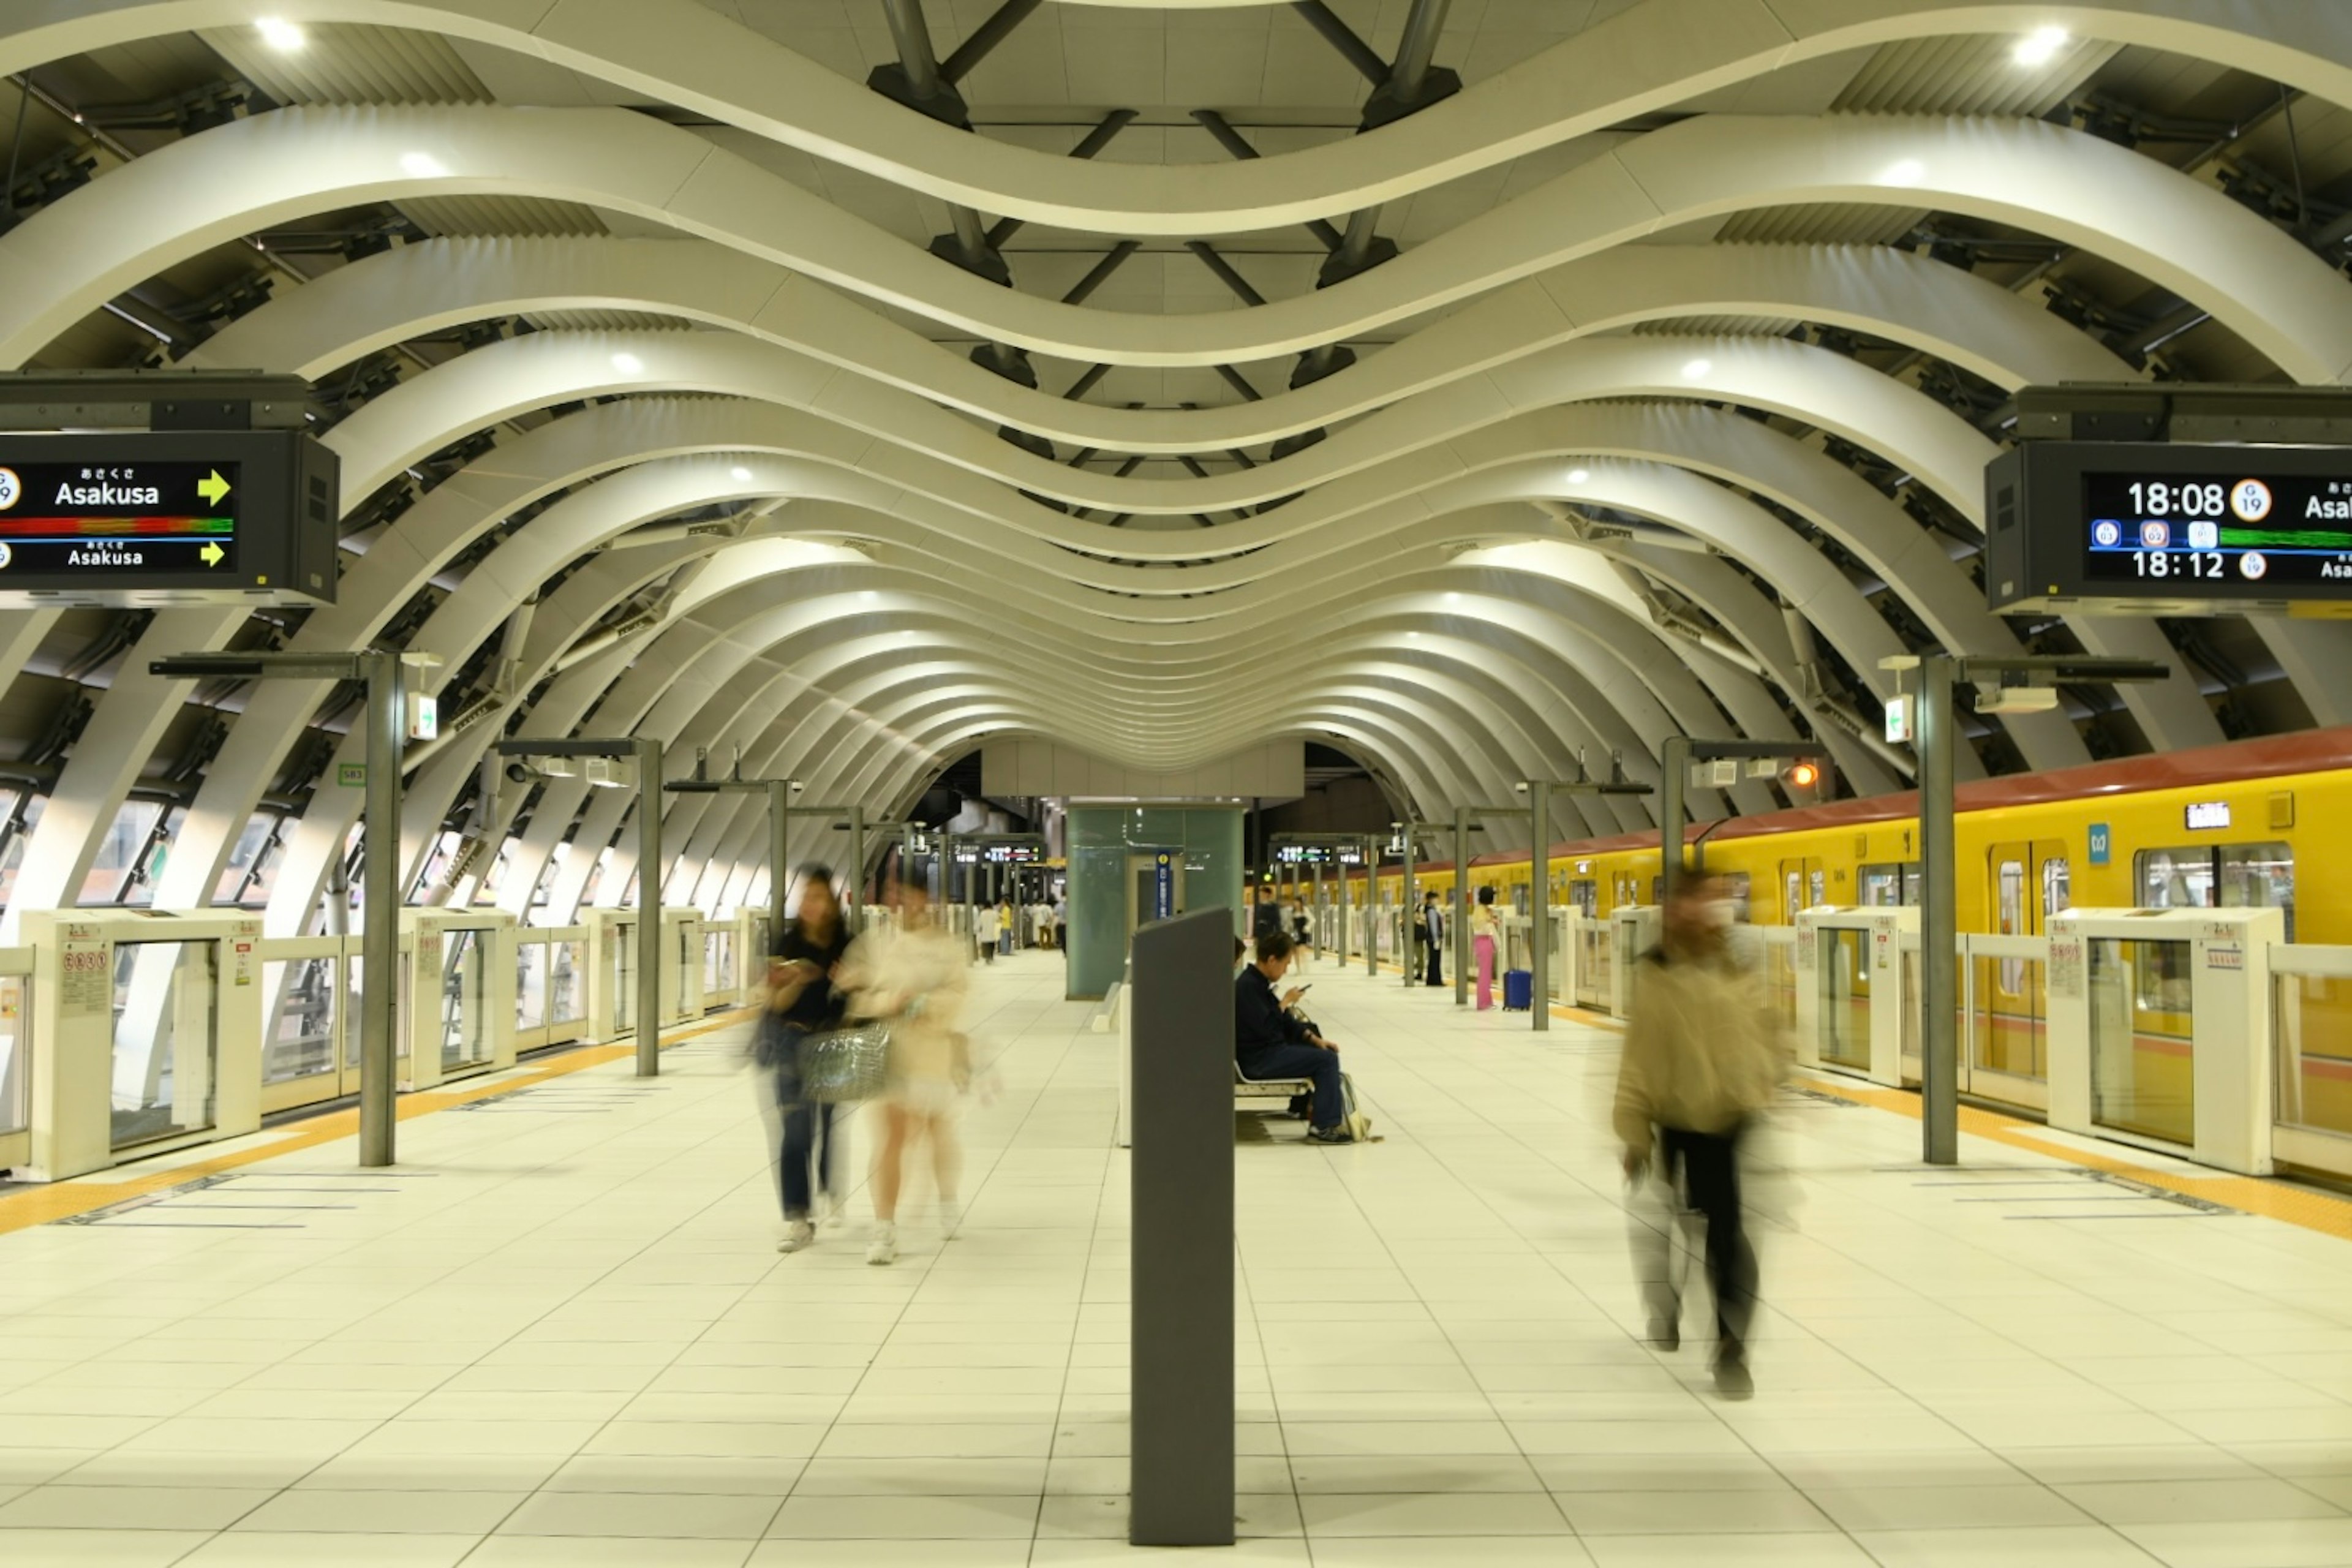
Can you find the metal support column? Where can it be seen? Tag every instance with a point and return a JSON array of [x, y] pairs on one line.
[[1540, 904], [780, 855], [1371, 905], [857, 864], [1939, 963], [1461, 924], [1405, 949], [1342, 874], [380, 938], [649, 907], [1315, 924], [1674, 779]]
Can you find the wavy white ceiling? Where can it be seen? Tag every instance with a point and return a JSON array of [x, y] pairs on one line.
[[1599, 469]]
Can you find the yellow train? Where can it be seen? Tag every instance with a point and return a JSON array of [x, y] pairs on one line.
[[2218, 827]]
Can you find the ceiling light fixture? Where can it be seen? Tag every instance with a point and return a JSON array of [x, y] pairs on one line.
[[423, 166], [628, 363], [1904, 172], [280, 34], [740, 474], [1578, 476], [1697, 368], [2040, 47]]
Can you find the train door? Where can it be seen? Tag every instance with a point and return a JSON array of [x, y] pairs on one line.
[[2028, 880], [1802, 888]]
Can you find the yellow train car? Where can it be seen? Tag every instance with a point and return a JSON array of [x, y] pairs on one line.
[[2220, 827]]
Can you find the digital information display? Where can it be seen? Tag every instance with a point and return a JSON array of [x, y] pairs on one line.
[[140, 518], [134, 518], [2172, 529], [1014, 854]]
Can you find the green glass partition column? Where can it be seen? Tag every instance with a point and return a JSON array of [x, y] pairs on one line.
[[1111, 845]]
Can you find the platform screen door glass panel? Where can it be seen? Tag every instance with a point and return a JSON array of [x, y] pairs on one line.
[[1845, 997], [717, 960], [567, 1001], [16, 1056], [301, 1042], [464, 998], [166, 1052], [2142, 1046], [623, 935], [530, 985], [2312, 1023]]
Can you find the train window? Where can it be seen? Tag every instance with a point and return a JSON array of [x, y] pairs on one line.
[[1890, 884], [1737, 883], [2009, 892], [2220, 875], [1585, 894], [2057, 887], [1821, 890]]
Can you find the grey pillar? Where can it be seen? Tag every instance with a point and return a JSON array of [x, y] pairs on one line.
[[857, 862], [1180, 1379], [1460, 905], [780, 852], [1371, 905], [1315, 925], [1674, 779], [1539, 902], [1938, 922], [649, 907], [1412, 899], [1340, 875], [379, 939]]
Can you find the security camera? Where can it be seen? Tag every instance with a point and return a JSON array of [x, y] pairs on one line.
[[521, 772]]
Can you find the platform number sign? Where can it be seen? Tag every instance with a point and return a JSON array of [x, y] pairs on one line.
[[1163, 886], [2101, 843]]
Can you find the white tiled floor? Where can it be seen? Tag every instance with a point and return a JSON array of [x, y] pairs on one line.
[[559, 1334]]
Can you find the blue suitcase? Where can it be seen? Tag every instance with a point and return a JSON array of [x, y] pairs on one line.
[[1518, 990]]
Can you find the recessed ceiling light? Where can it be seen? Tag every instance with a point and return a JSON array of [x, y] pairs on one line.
[[280, 34], [422, 166], [2041, 47], [740, 474], [1578, 476], [628, 363], [1904, 172], [1697, 368]]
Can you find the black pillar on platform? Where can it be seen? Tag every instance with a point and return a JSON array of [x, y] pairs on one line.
[[1181, 1380]]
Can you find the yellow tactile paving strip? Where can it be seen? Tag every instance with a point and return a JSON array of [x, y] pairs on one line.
[[63, 1200]]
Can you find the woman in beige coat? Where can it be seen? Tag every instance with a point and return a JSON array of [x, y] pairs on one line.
[[913, 975], [1704, 1053]]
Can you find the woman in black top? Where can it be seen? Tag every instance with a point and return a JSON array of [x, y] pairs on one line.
[[802, 1001]]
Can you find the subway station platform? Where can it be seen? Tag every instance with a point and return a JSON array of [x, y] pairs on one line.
[[559, 1333]]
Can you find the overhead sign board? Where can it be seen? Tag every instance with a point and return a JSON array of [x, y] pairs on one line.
[[1015, 854], [2150, 527], [138, 518]]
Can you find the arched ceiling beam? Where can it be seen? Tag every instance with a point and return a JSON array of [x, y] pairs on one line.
[[1653, 56], [73, 256]]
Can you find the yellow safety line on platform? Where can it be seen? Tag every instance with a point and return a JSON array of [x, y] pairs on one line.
[[67, 1199]]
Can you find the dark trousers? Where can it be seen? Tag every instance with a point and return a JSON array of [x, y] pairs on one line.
[[807, 1146], [1302, 1061], [1435, 950], [1708, 1166]]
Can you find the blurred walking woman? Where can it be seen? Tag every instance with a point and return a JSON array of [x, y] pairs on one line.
[[803, 1000], [913, 975]]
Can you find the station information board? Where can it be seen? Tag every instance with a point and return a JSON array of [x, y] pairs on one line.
[[133, 518], [2172, 529], [1015, 854]]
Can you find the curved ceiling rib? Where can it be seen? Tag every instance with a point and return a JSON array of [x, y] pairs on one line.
[[70, 258], [1651, 57]]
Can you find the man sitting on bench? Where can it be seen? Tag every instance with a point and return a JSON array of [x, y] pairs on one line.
[[1271, 1043]]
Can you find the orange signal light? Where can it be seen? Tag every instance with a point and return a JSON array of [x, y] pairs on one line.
[[1802, 775]]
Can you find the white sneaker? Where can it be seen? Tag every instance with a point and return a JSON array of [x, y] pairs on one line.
[[797, 1235], [884, 1247], [951, 1218], [830, 1212]]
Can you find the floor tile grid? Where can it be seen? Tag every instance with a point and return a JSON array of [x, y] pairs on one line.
[[1605, 1060]]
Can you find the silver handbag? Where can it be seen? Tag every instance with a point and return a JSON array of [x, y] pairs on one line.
[[846, 1064]]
